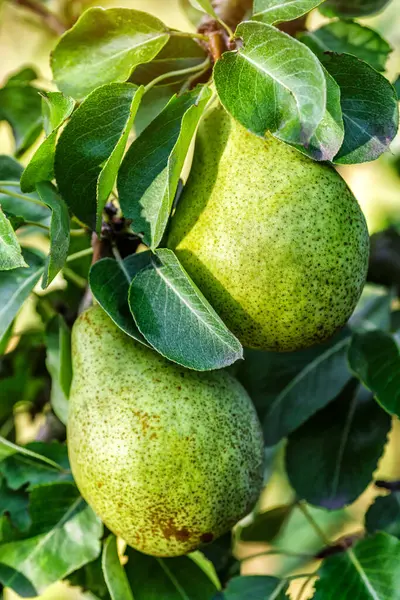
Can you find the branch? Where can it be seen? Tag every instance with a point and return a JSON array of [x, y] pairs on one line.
[[49, 18]]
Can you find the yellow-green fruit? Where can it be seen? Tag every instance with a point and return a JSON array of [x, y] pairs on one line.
[[275, 241], [168, 458]]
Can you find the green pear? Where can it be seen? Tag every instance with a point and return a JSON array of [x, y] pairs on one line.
[[168, 458], [275, 241]]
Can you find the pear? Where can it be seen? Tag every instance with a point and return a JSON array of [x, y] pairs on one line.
[[275, 241], [169, 458]]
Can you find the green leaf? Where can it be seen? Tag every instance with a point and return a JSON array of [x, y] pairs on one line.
[[176, 319], [370, 121], [11, 170], [384, 515], [351, 38], [256, 587], [204, 6], [272, 83], [312, 389], [90, 578], [64, 536], [341, 446], [368, 571], [266, 374], [16, 285], [59, 365], [114, 573], [153, 102], [352, 8], [24, 75], [178, 578], [8, 448], [56, 108], [375, 359], [397, 86], [265, 526], [59, 231], [178, 53], [109, 282], [88, 156], [20, 106], [103, 47], [10, 250], [278, 11], [373, 311], [328, 138], [45, 463], [149, 174], [14, 504]]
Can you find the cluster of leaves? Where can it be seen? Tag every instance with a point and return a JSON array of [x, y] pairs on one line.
[[120, 71]]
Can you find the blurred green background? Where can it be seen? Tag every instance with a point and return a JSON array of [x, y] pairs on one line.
[[24, 40]]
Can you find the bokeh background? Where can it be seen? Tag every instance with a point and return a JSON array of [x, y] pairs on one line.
[[25, 41]]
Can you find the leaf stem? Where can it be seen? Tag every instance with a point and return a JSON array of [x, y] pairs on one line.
[[187, 71], [74, 277], [80, 254], [12, 183], [33, 224], [77, 232], [321, 534], [278, 552], [195, 36], [21, 197]]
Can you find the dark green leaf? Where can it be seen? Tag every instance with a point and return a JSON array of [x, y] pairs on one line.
[[56, 108], [59, 231], [37, 463], [375, 359], [114, 573], [20, 106], [352, 8], [368, 571], [58, 363], [16, 285], [88, 156], [266, 374], [373, 311], [351, 38], [10, 250], [178, 53], [370, 121], [104, 46], [278, 11], [64, 536], [341, 446], [256, 587], [312, 389], [167, 578], [14, 504], [397, 86], [11, 170], [90, 578], [149, 174], [266, 525], [24, 75], [272, 83], [176, 319], [384, 515], [109, 283], [153, 102]]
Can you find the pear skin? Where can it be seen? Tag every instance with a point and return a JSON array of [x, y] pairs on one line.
[[169, 458], [275, 241]]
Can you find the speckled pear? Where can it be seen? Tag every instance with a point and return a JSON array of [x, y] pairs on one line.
[[275, 241], [169, 458]]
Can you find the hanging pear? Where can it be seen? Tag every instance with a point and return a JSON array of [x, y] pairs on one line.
[[169, 458], [276, 242]]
